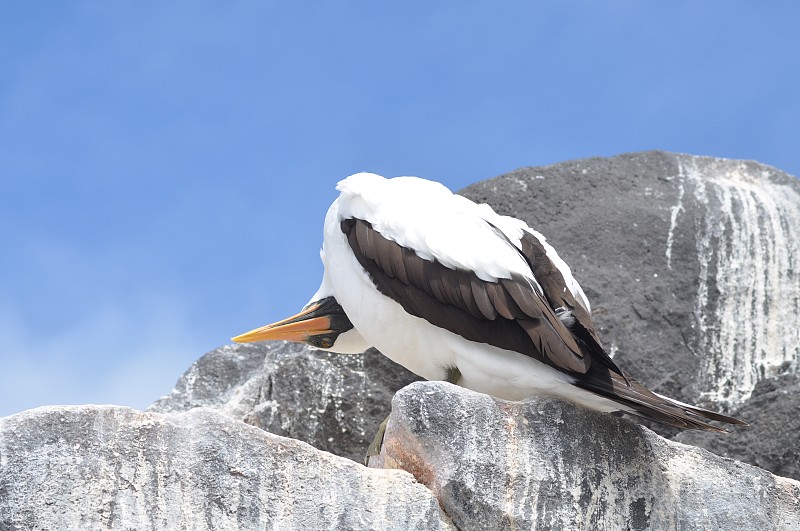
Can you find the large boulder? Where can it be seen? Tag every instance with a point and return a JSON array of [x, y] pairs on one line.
[[103, 467], [692, 264], [548, 464]]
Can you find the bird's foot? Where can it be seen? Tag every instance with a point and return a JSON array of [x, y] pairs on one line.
[[453, 375], [377, 443]]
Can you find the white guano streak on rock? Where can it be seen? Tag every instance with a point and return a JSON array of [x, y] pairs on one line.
[[703, 255], [674, 213], [754, 238], [512, 465]]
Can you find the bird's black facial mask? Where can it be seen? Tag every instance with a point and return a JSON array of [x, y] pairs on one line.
[[339, 323], [319, 324]]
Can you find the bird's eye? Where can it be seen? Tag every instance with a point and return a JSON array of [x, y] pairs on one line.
[[325, 342]]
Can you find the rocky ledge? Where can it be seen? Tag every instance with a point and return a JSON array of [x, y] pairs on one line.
[[547, 464], [452, 459], [105, 467]]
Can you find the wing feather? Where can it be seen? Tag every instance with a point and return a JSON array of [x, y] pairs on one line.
[[495, 293], [559, 295], [398, 264], [482, 298], [521, 290], [465, 287], [415, 268]]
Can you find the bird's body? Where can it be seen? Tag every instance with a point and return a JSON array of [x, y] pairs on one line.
[[444, 286], [439, 226]]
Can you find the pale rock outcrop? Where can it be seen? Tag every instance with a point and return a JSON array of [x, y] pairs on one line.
[[547, 464], [105, 467], [333, 402], [468, 461]]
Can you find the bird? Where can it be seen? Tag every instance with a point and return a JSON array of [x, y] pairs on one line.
[[454, 291]]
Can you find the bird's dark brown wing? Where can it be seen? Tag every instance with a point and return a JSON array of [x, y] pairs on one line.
[[560, 296], [509, 313]]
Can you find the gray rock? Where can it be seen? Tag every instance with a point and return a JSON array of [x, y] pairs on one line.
[[692, 266], [331, 401], [772, 441], [548, 464], [91, 467]]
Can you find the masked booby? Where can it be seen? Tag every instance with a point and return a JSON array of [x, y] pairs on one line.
[[453, 291]]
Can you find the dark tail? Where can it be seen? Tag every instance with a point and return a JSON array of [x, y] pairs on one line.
[[625, 390]]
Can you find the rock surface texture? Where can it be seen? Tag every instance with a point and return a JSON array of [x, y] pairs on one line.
[[546, 464], [452, 458], [333, 402], [90, 468]]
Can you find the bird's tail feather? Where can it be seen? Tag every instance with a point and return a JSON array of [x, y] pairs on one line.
[[625, 390], [705, 413]]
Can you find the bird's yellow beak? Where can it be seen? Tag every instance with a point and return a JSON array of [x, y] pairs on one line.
[[295, 328]]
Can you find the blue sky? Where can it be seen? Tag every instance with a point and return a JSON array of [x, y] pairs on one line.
[[165, 167]]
